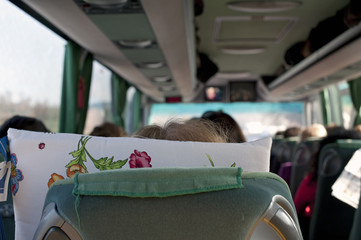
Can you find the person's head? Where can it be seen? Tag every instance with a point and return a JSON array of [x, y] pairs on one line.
[[227, 125], [295, 54], [108, 129], [196, 130], [315, 130], [352, 13], [357, 128], [292, 132], [22, 123], [334, 129], [279, 133]]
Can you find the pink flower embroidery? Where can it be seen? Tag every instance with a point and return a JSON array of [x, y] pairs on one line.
[[139, 160]]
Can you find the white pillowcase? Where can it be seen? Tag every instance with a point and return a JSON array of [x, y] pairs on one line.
[[41, 157]]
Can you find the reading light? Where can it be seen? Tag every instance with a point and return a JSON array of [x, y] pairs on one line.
[[106, 4], [263, 6], [243, 50], [233, 75], [167, 88], [161, 79], [135, 43], [151, 65]]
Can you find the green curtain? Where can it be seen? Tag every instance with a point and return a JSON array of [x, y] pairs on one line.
[[75, 90], [326, 111], [355, 92], [119, 98], [137, 110], [331, 106]]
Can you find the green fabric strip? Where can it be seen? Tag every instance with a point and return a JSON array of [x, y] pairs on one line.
[[147, 182], [257, 175], [349, 143]]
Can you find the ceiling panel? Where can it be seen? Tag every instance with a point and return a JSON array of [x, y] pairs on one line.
[[253, 28], [126, 26]]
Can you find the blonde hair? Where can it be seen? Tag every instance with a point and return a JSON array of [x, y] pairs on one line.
[[315, 130], [197, 130], [357, 128]]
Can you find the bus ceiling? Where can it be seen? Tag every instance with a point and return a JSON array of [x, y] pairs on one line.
[[174, 49]]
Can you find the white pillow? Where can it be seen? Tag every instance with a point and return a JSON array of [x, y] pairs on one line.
[[44, 156]]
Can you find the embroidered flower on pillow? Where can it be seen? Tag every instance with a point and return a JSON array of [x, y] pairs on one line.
[[139, 160], [54, 177], [16, 175], [80, 156]]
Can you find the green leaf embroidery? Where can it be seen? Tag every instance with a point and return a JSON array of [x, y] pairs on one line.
[[106, 163], [79, 154], [212, 163], [103, 163], [210, 160]]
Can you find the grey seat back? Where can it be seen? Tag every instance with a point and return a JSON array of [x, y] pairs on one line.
[[304, 155], [259, 205], [284, 152], [332, 218]]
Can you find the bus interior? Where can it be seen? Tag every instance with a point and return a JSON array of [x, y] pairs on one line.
[[184, 57]]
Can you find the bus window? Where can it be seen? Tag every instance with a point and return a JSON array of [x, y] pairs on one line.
[[331, 106], [314, 110], [348, 111], [257, 120], [99, 109], [31, 66], [134, 110]]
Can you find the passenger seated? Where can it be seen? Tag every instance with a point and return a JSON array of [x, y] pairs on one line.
[[197, 130], [227, 124], [22, 123], [357, 128], [334, 129], [279, 134], [305, 153], [280, 161], [108, 129], [292, 132], [315, 130], [306, 193], [325, 31], [6, 208]]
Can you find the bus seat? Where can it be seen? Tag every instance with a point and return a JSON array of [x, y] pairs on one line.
[[284, 153], [276, 141], [7, 228], [304, 153], [356, 229], [332, 218], [43, 158], [285, 171], [172, 203], [7, 213]]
